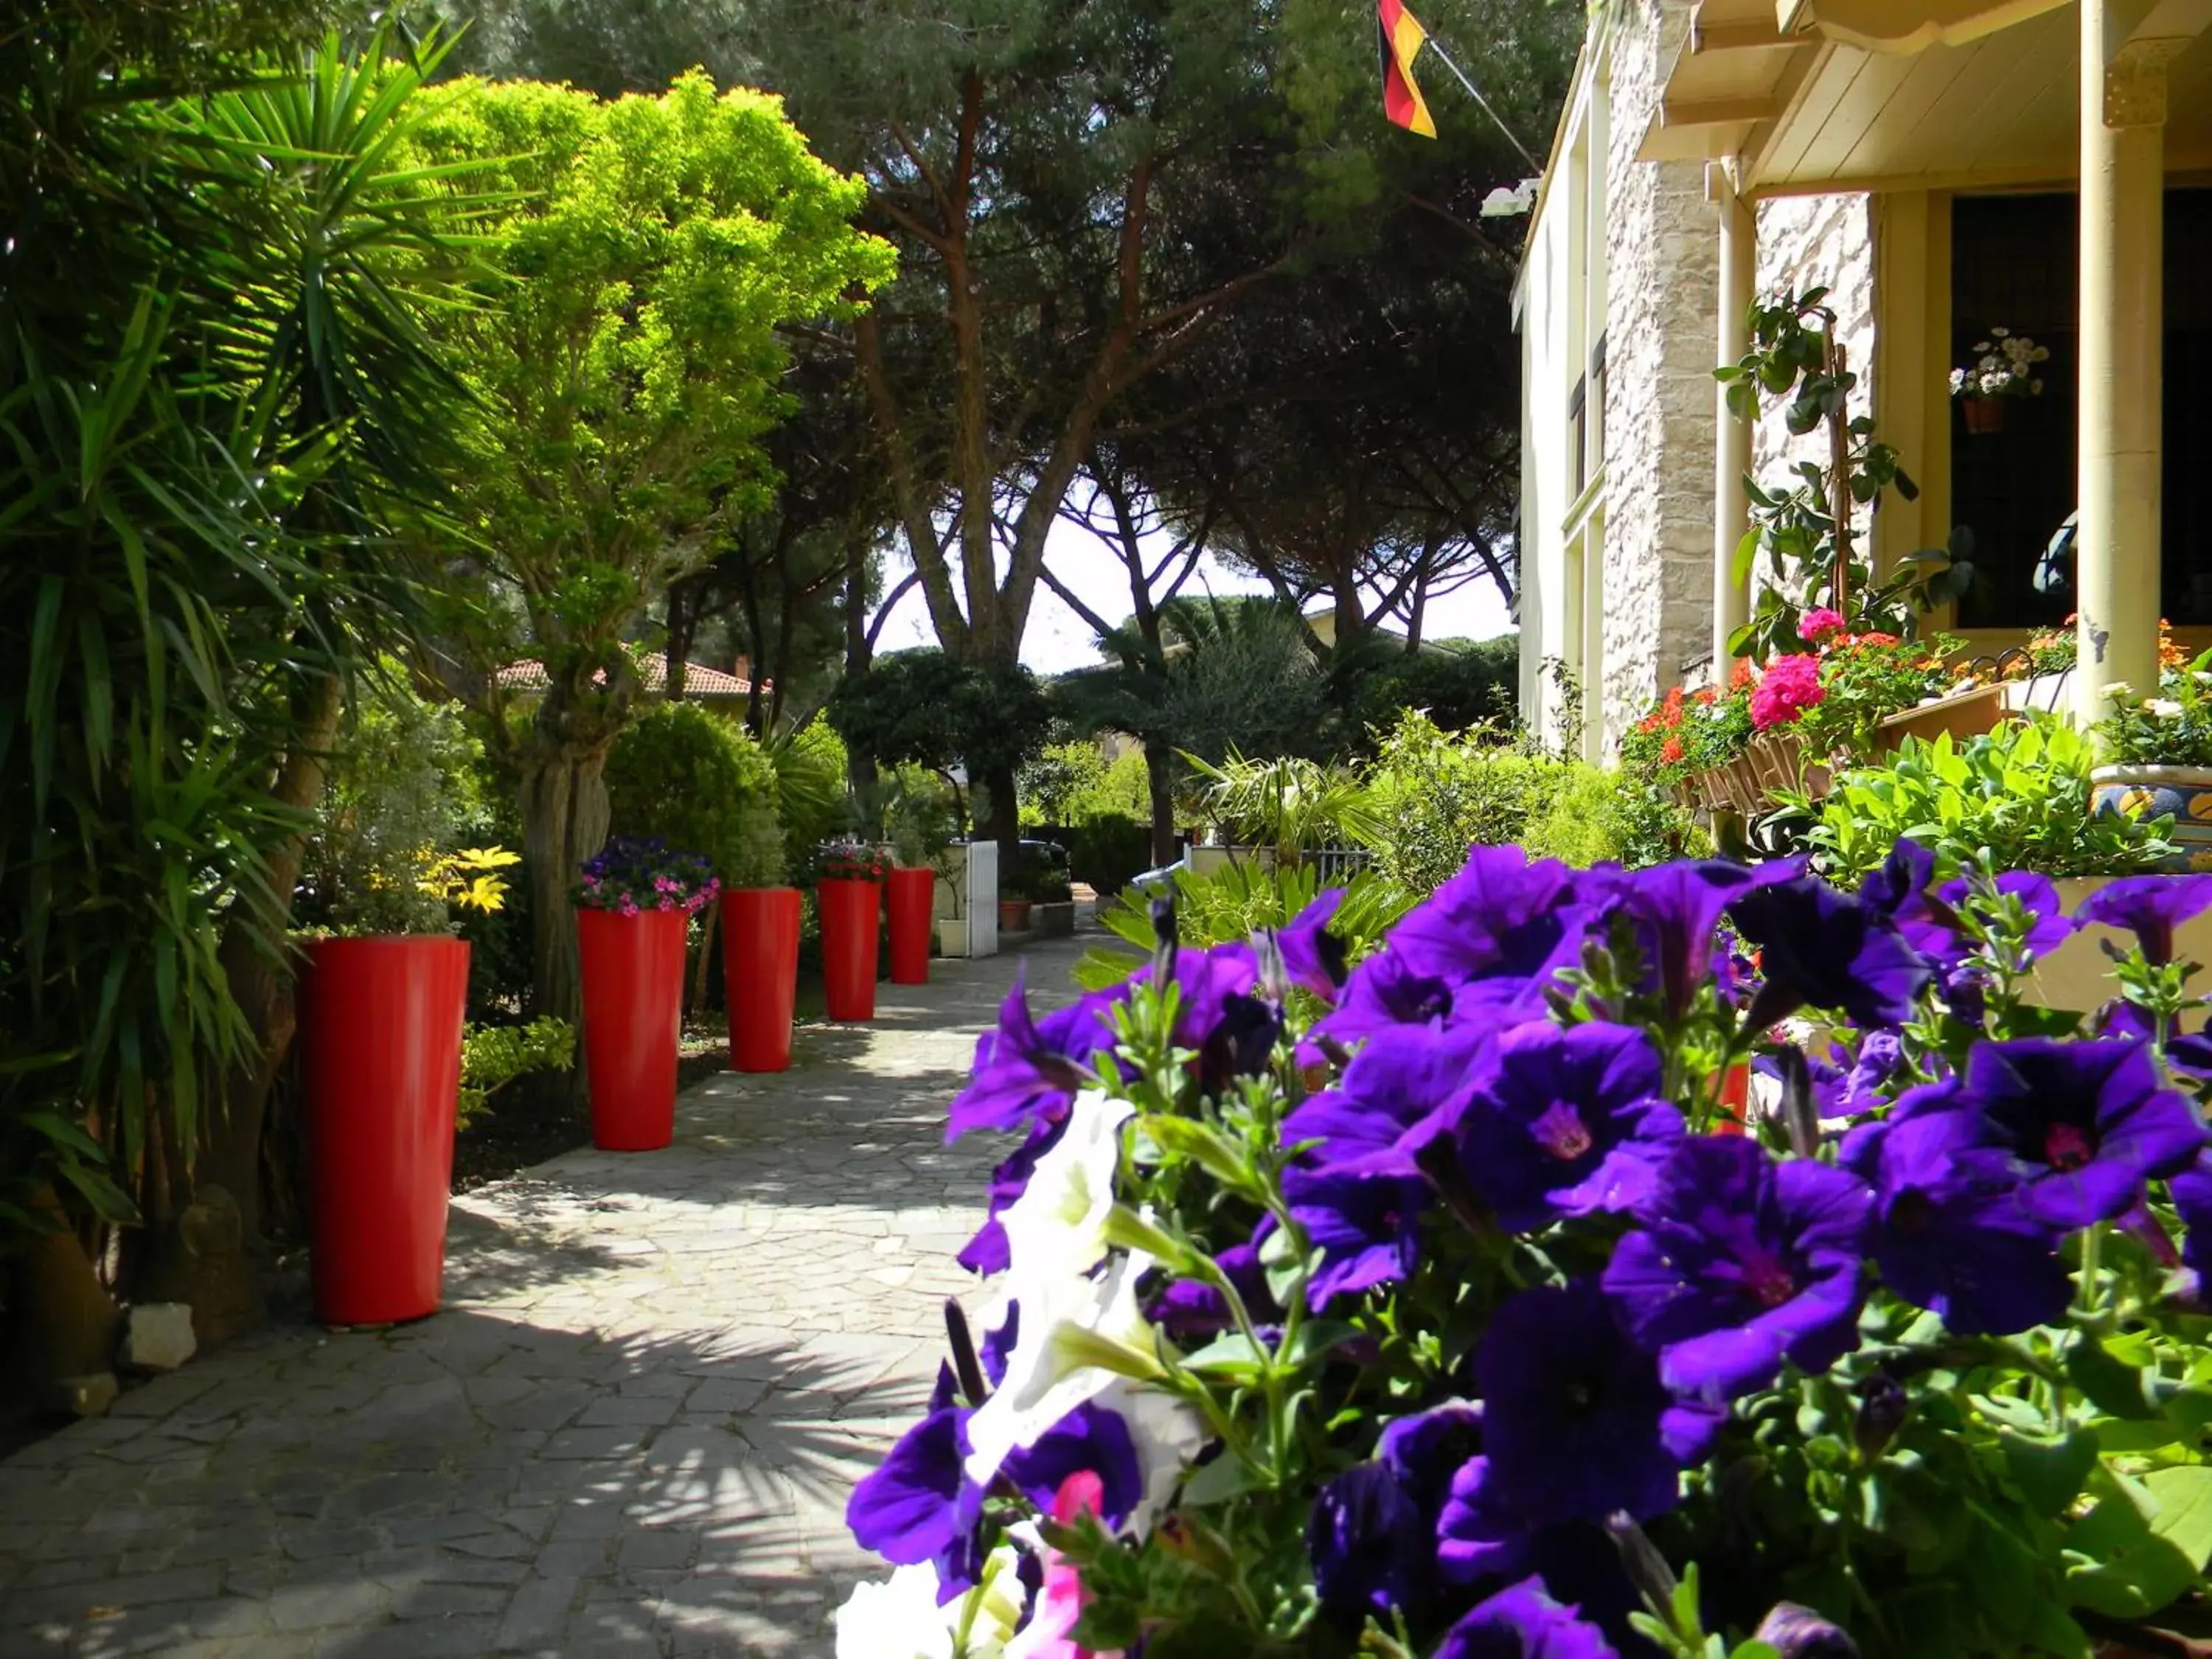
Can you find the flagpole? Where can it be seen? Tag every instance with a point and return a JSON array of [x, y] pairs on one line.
[[1534, 166]]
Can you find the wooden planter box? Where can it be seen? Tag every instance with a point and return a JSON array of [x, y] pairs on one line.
[[1773, 765], [1962, 715]]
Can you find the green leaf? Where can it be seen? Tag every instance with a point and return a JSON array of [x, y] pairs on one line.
[[1226, 1477], [1232, 1355], [2049, 1473], [2114, 1388], [2184, 1510]]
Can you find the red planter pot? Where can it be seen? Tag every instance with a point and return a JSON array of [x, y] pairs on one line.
[[381, 1024], [910, 895], [849, 909], [1735, 1095], [633, 974], [760, 971]]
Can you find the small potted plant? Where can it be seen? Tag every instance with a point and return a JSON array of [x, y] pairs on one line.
[[919, 820], [760, 918], [2004, 369], [848, 892], [634, 908], [2156, 760], [382, 1003], [1015, 899]]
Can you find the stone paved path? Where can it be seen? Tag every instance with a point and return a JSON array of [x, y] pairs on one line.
[[631, 1431]]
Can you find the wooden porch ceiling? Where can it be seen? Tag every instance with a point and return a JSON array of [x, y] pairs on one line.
[[1858, 95]]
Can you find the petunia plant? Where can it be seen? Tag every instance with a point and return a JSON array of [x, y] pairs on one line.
[[1702, 1259]]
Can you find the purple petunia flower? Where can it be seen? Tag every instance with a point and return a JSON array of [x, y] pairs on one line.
[[1559, 1122], [1823, 949], [1500, 915], [1523, 1622], [1372, 1534], [1740, 1264], [1313, 957], [1798, 1633], [2076, 1126], [1402, 1075], [1368, 1548], [1673, 909], [1576, 1423], [1950, 1233], [1189, 1308], [1367, 1227], [1897, 885], [1385, 992], [2192, 1202], [2149, 907], [919, 1505], [1025, 1068]]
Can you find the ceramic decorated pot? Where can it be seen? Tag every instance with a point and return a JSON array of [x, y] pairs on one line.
[[2154, 791]]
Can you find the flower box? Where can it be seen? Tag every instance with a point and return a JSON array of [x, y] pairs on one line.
[[1962, 715], [1055, 920]]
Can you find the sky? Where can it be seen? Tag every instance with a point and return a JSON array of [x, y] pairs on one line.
[[1058, 640]]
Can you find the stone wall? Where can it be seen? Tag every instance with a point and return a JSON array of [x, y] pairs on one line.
[[1662, 251], [1814, 242]]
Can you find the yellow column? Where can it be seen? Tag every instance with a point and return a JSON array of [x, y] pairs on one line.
[[2123, 350], [1731, 436]]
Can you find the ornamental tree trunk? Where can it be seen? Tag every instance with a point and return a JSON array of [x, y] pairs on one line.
[[203, 1241], [564, 822]]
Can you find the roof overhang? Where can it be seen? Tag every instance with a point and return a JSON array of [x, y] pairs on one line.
[[1812, 96]]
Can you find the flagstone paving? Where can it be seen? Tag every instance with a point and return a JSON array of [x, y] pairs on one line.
[[630, 1431]]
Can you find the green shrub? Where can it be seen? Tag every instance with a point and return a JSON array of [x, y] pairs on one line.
[[1433, 794], [1234, 903], [2017, 798], [1107, 853], [404, 787], [1073, 783], [699, 782], [1458, 685], [811, 789], [493, 1056]]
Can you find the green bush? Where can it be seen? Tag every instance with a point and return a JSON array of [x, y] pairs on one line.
[[699, 782], [493, 1056], [1433, 794], [2017, 799], [1459, 684], [1107, 853], [1073, 783], [811, 789], [404, 787]]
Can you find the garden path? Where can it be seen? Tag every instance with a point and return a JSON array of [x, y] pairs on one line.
[[631, 1429]]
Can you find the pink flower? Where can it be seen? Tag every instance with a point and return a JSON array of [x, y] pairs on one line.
[[630, 906], [1790, 686], [1817, 625], [1060, 1601]]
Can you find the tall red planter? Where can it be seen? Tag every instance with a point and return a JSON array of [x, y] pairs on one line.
[[381, 1023], [849, 909], [633, 975], [760, 971], [910, 895]]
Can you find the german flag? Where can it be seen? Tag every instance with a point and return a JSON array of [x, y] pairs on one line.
[[1402, 39]]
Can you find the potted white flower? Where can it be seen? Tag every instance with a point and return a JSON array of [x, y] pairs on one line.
[[2004, 369]]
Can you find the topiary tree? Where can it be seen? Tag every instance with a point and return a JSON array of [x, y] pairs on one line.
[[922, 707], [703, 785]]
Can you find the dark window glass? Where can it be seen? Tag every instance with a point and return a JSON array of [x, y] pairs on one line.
[[2015, 265]]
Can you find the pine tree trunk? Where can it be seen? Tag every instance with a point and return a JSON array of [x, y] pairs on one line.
[[1159, 777]]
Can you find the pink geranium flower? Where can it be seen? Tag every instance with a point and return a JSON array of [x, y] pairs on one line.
[[1818, 624], [1790, 686]]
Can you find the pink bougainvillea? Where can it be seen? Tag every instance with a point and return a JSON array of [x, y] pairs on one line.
[[1790, 686], [1817, 625]]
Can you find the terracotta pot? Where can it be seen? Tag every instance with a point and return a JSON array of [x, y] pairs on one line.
[[1013, 915], [1983, 415], [2182, 792]]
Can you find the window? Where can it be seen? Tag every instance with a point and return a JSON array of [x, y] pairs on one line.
[[2015, 264]]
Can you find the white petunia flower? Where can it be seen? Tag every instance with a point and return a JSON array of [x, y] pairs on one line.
[[1167, 1432], [1057, 1227], [1068, 1325], [2165, 707], [899, 1618]]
